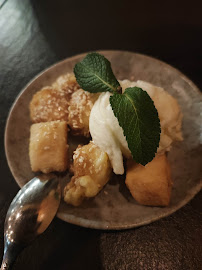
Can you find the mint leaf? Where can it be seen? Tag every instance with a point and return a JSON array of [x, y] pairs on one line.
[[138, 117], [94, 74]]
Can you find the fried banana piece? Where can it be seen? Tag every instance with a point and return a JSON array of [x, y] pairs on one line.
[[66, 83], [80, 107], [92, 170], [49, 104], [150, 184], [48, 146]]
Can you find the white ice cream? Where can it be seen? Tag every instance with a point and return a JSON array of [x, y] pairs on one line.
[[108, 135]]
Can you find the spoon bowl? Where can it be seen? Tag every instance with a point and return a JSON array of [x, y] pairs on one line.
[[30, 213]]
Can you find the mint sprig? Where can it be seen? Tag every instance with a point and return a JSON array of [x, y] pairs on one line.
[[134, 109], [94, 74], [139, 120]]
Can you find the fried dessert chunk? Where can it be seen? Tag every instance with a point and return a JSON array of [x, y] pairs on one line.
[[80, 107], [150, 184], [66, 83], [49, 104], [48, 146], [92, 171]]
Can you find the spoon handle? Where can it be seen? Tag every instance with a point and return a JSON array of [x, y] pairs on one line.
[[11, 252]]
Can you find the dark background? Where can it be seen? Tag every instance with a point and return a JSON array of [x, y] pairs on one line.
[[36, 34]]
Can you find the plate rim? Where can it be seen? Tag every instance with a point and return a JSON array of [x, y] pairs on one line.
[[86, 222]]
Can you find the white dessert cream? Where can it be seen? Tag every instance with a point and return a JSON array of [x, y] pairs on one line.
[[108, 135]]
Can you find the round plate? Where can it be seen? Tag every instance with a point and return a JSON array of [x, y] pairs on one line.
[[114, 207]]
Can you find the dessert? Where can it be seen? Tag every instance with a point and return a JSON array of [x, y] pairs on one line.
[[64, 101], [108, 135], [66, 83], [132, 121], [150, 184], [48, 146], [168, 110], [79, 109], [49, 104], [92, 170]]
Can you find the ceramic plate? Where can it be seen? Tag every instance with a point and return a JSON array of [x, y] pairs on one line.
[[114, 207]]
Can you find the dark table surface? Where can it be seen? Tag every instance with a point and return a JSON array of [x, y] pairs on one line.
[[36, 34]]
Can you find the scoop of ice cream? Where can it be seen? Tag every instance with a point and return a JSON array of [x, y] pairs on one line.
[[108, 135], [168, 109]]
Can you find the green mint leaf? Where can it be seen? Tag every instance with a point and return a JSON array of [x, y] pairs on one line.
[[94, 74], [139, 120]]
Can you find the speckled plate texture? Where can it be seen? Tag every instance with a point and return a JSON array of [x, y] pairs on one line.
[[114, 207]]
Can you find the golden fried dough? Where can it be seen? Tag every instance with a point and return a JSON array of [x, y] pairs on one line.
[[80, 107], [150, 184], [49, 104], [48, 146], [92, 171], [66, 83]]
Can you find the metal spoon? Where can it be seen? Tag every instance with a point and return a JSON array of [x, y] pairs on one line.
[[29, 215]]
